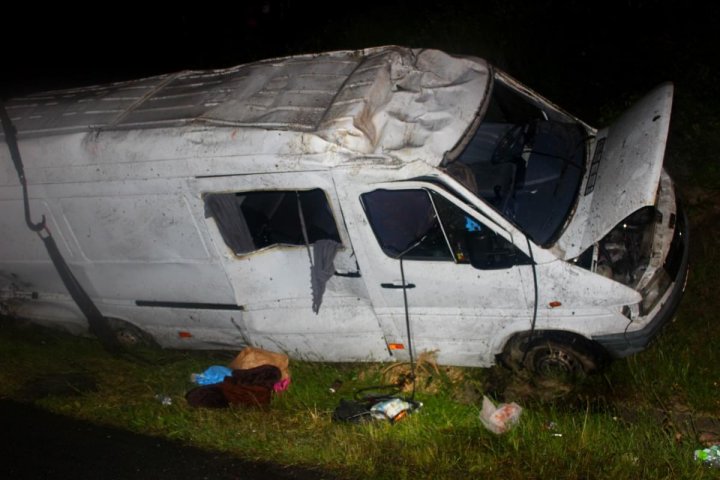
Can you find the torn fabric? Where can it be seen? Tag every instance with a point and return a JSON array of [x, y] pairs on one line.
[[322, 269]]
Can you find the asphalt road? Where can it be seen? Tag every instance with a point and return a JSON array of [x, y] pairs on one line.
[[40, 445]]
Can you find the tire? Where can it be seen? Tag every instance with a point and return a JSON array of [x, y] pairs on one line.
[[129, 336], [559, 355], [568, 358]]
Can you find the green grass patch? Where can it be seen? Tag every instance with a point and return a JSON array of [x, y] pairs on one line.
[[607, 428]]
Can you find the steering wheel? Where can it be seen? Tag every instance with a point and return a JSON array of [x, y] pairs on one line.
[[511, 144]]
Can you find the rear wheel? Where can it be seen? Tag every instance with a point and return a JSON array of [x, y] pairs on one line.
[[129, 336]]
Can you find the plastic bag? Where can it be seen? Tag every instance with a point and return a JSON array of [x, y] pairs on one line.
[[211, 375], [501, 418], [393, 409], [709, 456]]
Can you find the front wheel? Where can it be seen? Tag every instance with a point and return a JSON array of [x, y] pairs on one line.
[[555, 354], [551, 359]]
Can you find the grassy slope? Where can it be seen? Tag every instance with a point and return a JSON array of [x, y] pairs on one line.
[[612, 434]]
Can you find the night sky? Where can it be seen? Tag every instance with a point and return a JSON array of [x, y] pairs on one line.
[[580, 54]]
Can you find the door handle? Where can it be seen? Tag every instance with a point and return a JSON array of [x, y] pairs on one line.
[[397, 285]]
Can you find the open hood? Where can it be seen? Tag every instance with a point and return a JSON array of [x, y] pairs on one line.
[[624, 174]]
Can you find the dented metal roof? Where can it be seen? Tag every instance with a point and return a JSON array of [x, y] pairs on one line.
[[369, 101], [291, 94]]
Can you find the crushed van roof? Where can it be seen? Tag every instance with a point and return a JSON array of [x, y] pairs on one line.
[[371, 101]]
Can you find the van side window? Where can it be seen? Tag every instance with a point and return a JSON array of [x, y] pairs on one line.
[[249, 221], [423, 225], [405, 223]]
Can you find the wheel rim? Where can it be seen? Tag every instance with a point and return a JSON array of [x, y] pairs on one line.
[[556, 362], [127, 338]]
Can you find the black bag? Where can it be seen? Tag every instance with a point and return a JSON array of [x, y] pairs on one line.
[[252, 387], [207, 396], [352, 411]]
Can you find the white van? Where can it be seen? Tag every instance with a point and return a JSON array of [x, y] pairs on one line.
[[190, 207]]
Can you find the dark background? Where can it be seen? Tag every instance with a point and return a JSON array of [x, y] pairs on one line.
[[582, 54]]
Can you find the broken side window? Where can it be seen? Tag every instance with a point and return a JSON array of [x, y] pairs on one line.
[[422, 225], [249, 221]]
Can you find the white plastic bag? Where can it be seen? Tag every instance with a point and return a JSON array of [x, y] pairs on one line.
[[501, 418]]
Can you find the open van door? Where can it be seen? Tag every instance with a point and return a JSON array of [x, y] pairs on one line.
[[265, 228], [465, 280]]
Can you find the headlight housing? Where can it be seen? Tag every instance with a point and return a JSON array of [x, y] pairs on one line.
[[654, 290]]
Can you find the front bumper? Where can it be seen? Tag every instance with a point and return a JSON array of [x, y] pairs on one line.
[[621, 345]]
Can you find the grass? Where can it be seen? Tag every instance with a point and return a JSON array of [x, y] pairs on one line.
[[607, 428]]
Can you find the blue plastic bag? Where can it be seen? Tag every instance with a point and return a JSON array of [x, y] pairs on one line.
[[212, 375]]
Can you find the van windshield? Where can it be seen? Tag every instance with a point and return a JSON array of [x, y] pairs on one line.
[[527, 161]]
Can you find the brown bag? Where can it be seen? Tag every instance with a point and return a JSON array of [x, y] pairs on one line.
[[251, 357]]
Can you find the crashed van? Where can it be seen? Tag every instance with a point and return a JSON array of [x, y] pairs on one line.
[[329, 205]]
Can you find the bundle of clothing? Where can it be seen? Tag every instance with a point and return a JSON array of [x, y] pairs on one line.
[[251, 379]]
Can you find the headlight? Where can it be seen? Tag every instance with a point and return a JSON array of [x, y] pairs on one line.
[[654, 290]]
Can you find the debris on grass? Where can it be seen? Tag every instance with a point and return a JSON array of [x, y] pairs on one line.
[[499, 419], [429, 376], [211, 375], [709, 456]]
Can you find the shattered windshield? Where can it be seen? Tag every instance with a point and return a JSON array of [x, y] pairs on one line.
[[526, 160]]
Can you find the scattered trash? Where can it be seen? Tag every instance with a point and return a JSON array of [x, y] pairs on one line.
[[281, 385], [335, 386], [251, 380], [709, 439], [207, 396], [501, 418], [709, 456], [394, 409], [251, 387], [352, 411], [164, 399], [251, 357], [211, 375], [387, 408], [552, 426]]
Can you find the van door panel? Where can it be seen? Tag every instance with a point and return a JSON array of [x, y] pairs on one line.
[[273, 283], [454, 308]]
